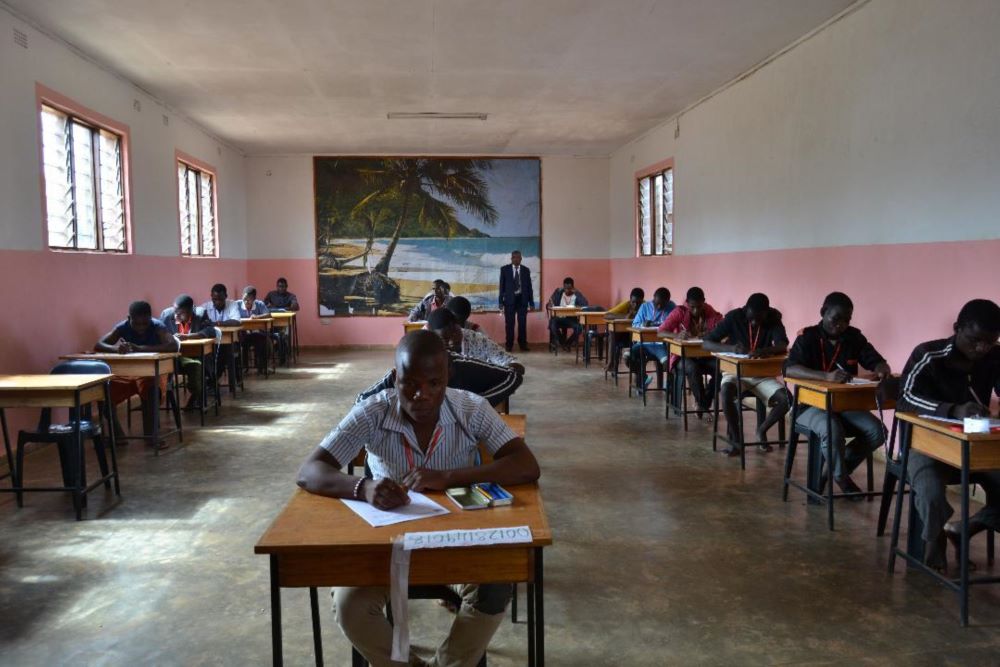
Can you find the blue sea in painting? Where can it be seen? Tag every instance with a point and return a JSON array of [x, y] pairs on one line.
[[471, 262]]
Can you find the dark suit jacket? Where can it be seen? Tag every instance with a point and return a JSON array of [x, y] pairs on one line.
[[507, 286]]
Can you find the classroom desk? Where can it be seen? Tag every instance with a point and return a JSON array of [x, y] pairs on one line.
[[750, 368], [968, 453], [614, 327], [317, 541], [234, 373], [643, 335], [413, 326], [289, 318], [685, 349], [144, 365], [265, 324], [202, 349], [57, 391], [832, 398], [590, 319]]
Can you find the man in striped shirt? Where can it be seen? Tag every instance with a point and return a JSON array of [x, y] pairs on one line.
[[420, 436], [953, 377]]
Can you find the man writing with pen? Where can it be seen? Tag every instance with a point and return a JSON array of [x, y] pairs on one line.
[[953, 378], [420, 435], [832, 351]]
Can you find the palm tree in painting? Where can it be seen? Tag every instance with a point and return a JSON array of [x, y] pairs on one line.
[[428, 189]]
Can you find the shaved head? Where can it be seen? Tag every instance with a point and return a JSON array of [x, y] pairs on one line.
[[421, 375]]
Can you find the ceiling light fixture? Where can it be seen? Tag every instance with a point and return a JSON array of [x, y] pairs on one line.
[[435, 115]]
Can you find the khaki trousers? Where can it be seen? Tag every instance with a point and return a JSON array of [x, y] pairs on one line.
[[360, 613]]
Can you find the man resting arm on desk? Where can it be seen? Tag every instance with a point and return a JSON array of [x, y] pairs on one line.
[[420, 436]]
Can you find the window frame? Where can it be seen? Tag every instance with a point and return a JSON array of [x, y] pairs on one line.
[[200, 166], [47, 97], [651, 172]]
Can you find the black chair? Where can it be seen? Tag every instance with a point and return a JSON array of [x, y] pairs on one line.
[[71, 459]]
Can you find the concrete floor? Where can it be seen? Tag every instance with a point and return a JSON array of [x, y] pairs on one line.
[[664, 554]]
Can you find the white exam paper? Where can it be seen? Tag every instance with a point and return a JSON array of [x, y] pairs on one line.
[[861, 381], [420, 507]]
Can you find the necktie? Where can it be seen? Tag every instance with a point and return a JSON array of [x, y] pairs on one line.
[[517, 280]]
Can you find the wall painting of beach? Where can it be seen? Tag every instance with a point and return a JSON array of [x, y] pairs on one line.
[[386, 227]]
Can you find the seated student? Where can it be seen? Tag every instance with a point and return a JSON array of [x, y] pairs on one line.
[[138, 333], [462, 309], [567, 295], [439, 429], [953, 377], [468, 343], [693, 319], [220, 310], [626, 310], [756, 330], [185, 322], [253, 308], [223, 312], [437, 298], [494, 383], [832, 350], [281, 298], [651, 314]]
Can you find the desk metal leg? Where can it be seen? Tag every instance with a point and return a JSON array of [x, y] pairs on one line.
[[203, 399], [963, 591], [715, 410], [531, 624], [6, 446], [741, 441], [317, 633], [78, 482], [540, 611], [277, 658], [830, 465], [904, 448], [792, 445], [109, 415]]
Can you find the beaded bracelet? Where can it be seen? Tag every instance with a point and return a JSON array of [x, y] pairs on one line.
[[357, 487]]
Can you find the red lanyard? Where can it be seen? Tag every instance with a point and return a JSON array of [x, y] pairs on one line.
[[430, 449], [753, 339], [822, 351]]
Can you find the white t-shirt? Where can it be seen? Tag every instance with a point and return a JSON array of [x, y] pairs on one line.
[[568, 300]]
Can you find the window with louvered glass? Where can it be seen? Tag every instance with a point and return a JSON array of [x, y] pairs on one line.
[[196, 204], [84, 178], [655, 214]]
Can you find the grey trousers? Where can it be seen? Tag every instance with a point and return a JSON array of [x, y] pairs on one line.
[[928, 479], [866, 429], [360, 613]]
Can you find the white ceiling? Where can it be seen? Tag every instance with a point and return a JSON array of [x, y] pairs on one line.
[[561, 77]]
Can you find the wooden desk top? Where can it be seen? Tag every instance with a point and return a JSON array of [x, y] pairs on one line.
[[669, 338], [50, 391], [229, 329], [109, 357], [416, 324], [311, 523], [594, 314], [285, 314], [945, 428], [251, 320], [832, 387], [196, 344], [565, 309], [15, 383], [936, 440]]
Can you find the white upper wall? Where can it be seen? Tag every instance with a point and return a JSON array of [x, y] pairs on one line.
[[882, 128], [281, 218], [155, 229]]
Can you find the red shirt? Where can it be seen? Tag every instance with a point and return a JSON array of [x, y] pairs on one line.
[[680, 319]]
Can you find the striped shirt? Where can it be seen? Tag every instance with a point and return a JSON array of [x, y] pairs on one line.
[[379, 426]]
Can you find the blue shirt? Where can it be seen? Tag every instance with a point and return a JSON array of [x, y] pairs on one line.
[[258, 308], [151, 337], [647, 313]]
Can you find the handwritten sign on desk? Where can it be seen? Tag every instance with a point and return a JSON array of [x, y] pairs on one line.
[[474, 537]]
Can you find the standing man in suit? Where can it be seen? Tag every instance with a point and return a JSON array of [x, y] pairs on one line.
[[516, 299]]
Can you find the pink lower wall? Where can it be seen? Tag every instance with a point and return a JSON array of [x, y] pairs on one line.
[[903, 294], [592, 276], [58, 303]]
